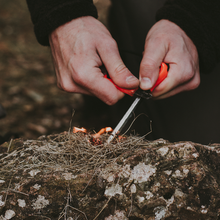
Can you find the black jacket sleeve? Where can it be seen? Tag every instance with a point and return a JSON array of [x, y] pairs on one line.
[[200, 19], [47, 15]]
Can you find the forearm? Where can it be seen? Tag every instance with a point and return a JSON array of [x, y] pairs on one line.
[[47, 15], [200, 21]]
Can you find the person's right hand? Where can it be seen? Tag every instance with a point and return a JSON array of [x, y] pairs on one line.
[[79, 49]]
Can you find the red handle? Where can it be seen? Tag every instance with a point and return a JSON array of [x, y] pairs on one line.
[[162, 75]]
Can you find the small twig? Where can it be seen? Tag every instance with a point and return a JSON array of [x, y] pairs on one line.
[[134, 122], [90, 180], [9, 146], [12, 190], [103, 208], [7, 191], [42, 216], [69, 132], [131, 206], [78, 211]]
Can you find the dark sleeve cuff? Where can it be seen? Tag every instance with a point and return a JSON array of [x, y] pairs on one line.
[[201, 27], [46, 19]]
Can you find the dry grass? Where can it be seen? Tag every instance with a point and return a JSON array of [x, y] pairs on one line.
[[77, 152]]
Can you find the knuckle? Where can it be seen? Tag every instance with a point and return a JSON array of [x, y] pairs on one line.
[[67, 86], [120, 69], [157, 39], [195, 84], [110, 101], [111, 43], [108, 45], [148, 64], [76, 73], [188, 72]]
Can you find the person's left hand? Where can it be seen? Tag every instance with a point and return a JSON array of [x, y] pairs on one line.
[[167, 42]]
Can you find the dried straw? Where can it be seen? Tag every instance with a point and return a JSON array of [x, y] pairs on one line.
[[76, 152]]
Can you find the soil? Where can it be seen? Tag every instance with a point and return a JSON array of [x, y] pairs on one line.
[[28, 90]]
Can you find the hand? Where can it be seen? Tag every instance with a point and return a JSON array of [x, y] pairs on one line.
[[79, 49], [167, 42]]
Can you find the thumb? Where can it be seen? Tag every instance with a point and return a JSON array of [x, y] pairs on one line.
[[151, 61]]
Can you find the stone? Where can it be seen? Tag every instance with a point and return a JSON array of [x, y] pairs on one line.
[[69, 176]]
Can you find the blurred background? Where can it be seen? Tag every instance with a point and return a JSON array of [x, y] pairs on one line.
[[28, 91]]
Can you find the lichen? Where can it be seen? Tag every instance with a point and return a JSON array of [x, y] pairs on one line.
[[140, 179], [142, 172], [9, 214], [40, 202], [113, 190]]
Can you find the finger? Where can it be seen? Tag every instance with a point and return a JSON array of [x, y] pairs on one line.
[[65, 82], [154, 54], [117, 70], [92, 79], [176, 83]]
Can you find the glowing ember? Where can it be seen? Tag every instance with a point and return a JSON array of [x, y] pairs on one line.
[[102, 131], [97, 135], [94, 138], [83, 130]]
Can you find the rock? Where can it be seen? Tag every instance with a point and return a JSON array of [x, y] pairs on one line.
[[68, 176]]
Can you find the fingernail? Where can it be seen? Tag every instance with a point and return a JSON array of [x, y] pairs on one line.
[[145, 83], [131, 79]]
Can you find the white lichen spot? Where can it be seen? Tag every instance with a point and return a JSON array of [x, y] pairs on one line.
[[2, 181], [110, 172], [1, 201], [160, 212], [34, 172], [140, 199], [133, 188], [185, 171], [204, 210], [17, 186], [119, 215], [168, 172], [177, 174], [170, 201], [113, 190], [9, 214], [59, 169], [125, 171], [36, 186], [111, 178], [190, 208], [22, 154], [178, 193], [40, 203], [181, 174], [148, 195], [68, 176], [195, 155], [21, 203], [155, 187], [163, 151], [141, 173]]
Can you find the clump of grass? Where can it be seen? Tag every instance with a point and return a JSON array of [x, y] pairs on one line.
[[77, 152]]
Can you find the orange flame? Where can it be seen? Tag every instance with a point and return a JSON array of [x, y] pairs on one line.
[[102, 131], [97, 135], [83, 130]]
